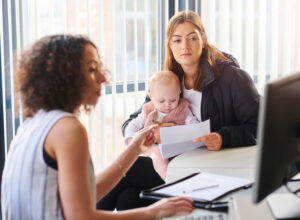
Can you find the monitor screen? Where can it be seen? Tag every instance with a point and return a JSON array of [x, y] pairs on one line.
[[278, 136]]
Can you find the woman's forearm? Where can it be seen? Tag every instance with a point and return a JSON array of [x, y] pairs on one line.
[[138, 214], [111, 175]]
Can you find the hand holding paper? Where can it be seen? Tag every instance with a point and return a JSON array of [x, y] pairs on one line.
[[213, 141], [179, 139]]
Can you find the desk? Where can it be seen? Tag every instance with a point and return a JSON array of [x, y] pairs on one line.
[[236, 162]]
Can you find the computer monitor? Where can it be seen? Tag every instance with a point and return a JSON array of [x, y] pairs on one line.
[[278, 136]]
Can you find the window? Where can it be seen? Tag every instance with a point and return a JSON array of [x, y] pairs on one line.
[[261, 34]]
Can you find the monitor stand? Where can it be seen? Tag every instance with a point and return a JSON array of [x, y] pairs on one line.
[[284, 206]]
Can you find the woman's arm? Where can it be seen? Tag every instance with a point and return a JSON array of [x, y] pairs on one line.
[[236, 102], [68, 143], [163, 208], [245, 104], [109, 177]]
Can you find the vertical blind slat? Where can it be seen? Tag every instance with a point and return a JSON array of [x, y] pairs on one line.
[[166, 15], [297, 36], [176, 6], [261, 74], [103, 95], [147, 43], [136, 72], [186, 5], [51, 17], [114, 115], [8, 64], [91, 124], [19, 45], [274, 40], [249, 38], [11, 67], [3, 26], [293, 14], [209, 17], [286, 39], [64, 15], [236, 30], [224, 27], [36, 19], [158, 34], [77, 18], [125, 98], [89, 12]]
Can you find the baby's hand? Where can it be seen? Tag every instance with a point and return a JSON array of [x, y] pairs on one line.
[[157, 130]]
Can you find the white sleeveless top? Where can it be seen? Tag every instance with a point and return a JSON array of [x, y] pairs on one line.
[[29, 185]]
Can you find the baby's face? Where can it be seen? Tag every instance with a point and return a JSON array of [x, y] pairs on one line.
[[165, 97]]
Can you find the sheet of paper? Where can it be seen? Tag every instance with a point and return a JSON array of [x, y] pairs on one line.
[[179, 139], [213, 186]]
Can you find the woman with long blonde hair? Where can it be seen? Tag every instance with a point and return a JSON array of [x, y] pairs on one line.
[[216, 88]]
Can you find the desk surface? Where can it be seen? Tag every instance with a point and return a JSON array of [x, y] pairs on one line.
[[238, 162]]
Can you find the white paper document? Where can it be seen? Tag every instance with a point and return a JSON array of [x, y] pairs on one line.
[[204, 186], [179, 139]]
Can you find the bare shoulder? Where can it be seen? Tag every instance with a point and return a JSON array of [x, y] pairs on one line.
[[67, 133], [68, 125]]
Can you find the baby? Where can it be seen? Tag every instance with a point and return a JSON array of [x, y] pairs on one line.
[[165, 106]]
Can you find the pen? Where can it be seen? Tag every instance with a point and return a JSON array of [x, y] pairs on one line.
[[201, 188]]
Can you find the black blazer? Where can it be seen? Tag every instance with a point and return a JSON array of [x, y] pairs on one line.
[[231, 102]]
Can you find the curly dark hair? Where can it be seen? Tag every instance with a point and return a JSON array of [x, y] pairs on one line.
[[49, 74]]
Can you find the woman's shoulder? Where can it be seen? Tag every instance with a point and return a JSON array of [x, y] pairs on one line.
[[229, 63], [231, 71], [69, 124], [67, 135], [66, 129]]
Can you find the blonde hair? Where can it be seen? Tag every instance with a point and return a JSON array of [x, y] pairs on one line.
[[164, 77], [209, 52]]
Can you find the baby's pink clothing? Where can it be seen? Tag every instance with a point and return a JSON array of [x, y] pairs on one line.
[[177, 115], [180, 115]]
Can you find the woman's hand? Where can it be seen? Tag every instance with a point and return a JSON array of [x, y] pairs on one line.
[[213, 141], [157, 130], [171, 207], [144, 138]]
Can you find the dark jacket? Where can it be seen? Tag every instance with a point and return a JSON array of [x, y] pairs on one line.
[[231, 102]]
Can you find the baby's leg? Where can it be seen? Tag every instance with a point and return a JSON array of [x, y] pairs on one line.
[[160, 164]]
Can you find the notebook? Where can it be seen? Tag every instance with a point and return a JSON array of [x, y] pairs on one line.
[[204, 188]]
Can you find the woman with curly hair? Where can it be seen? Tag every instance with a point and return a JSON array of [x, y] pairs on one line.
[[48, 173]]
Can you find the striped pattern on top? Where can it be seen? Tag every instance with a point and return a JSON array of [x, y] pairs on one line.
[[29, 186]]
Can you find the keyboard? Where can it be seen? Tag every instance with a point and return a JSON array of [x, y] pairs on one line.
[[202, 216], [205, 217]]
